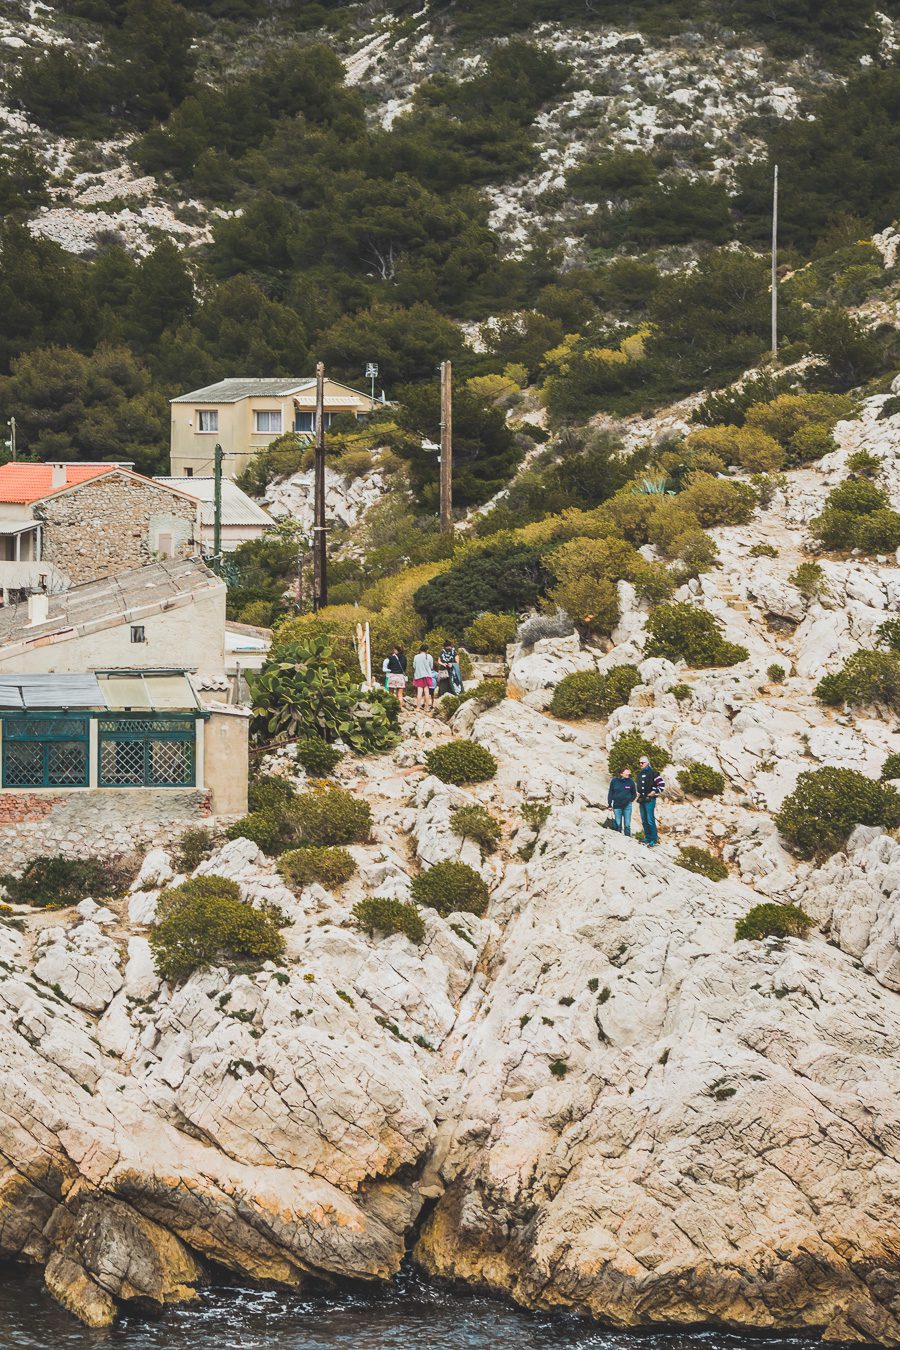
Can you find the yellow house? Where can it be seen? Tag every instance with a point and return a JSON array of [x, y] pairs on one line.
[[246, 415]]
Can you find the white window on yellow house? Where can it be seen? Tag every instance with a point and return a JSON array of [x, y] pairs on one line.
[[208, 419], [267, 422]]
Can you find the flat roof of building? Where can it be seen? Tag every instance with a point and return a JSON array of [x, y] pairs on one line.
[[116, 598]]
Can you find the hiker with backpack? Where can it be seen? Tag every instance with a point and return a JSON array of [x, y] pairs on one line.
[[650, 787], [621, 798]]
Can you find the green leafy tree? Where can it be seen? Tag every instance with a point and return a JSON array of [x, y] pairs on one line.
[[819, 815], [485, 451]]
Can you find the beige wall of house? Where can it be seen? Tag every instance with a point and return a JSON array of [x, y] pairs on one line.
[[225, 760], [108, 524], [238, 433], [188, 635]]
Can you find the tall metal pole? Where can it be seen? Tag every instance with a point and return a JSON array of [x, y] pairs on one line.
[[217, 507], [320, 556], [775, 263], [446, 448], [12, 437]]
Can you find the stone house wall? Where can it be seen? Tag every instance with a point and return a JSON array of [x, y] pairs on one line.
[[112, 523], [94, 823]]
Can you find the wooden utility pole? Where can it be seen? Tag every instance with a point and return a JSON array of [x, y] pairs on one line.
[[320, 553], [446, 448], [775, 263]]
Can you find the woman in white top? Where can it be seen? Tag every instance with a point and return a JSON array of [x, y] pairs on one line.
[[423, 679]]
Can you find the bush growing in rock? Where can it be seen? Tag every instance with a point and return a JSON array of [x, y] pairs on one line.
[[627, 749], [446, 706], [701, 780], [490, 633], [331, 815], [802, 423], [809, 580], [680, 692], [488, 692], [772, 920], [827, 804], [200, 926], [706, 864], [716, 501], [192, 847], [588, 693], [684, 632], [888, 635], [381, 914], [890, 769], [776, 673], [316, 757], [461, 761], [864, 463], [330, 867], [476, 822], [763, 551], [751, 448], [270, 830], [864, 679], [857, 514], [54, 881], [451, 888]]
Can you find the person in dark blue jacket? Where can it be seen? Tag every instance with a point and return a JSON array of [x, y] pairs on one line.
[[650, 788], [622, 794]]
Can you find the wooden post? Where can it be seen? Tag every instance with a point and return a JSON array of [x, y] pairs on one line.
[[320, 553], [446, 448]]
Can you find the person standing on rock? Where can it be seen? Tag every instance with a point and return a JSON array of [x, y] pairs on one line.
[[448, 667], [621, 798], [650, 787], [423, 679], [395, 669]]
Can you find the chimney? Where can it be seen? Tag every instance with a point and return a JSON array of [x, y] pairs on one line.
[[57, 475], [38, 608]]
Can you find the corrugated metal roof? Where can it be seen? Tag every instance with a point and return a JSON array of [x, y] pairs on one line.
[[50, 691], [94, 601], [237, 507], [233, 390]]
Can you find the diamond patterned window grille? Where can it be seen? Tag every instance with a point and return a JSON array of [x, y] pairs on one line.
[[171, 763], [145, 726], [44, 728], [121, 763], [66, 763], [23, 765]]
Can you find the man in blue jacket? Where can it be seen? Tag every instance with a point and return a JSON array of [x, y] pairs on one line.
[[622, 793], [650, 787]]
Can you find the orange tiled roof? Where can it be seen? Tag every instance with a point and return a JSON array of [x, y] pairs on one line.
[[26, 483]]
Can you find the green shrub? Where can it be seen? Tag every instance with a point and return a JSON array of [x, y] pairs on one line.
[[269, 830], [446, 706], [503, 575], [270, 792], [588, 693], [536, 814], [627, 749], [802, 423], [461, 761], [488, 692], [54, 881], [451, 888], [378, 914], [201, 888], [754, 450], [330, 867], [700, 780], [331, 815], [827, 804], [475, 822], [865, 464], [864, 679], [772, 920], [716, 501], [857, 514], [490, 633], [776, 673], [763, 551], [680, 691], [699, 860], [197, 928], [192, 847], [809, 579], [857, 495], [316, 757], [888, 635], [684, 632], [891, 768]]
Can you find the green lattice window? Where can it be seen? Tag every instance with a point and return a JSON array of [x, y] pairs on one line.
[[45, 752], [147, 752]]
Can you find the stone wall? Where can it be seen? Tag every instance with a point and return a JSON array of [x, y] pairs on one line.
[[112, 523], [85, 824]]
